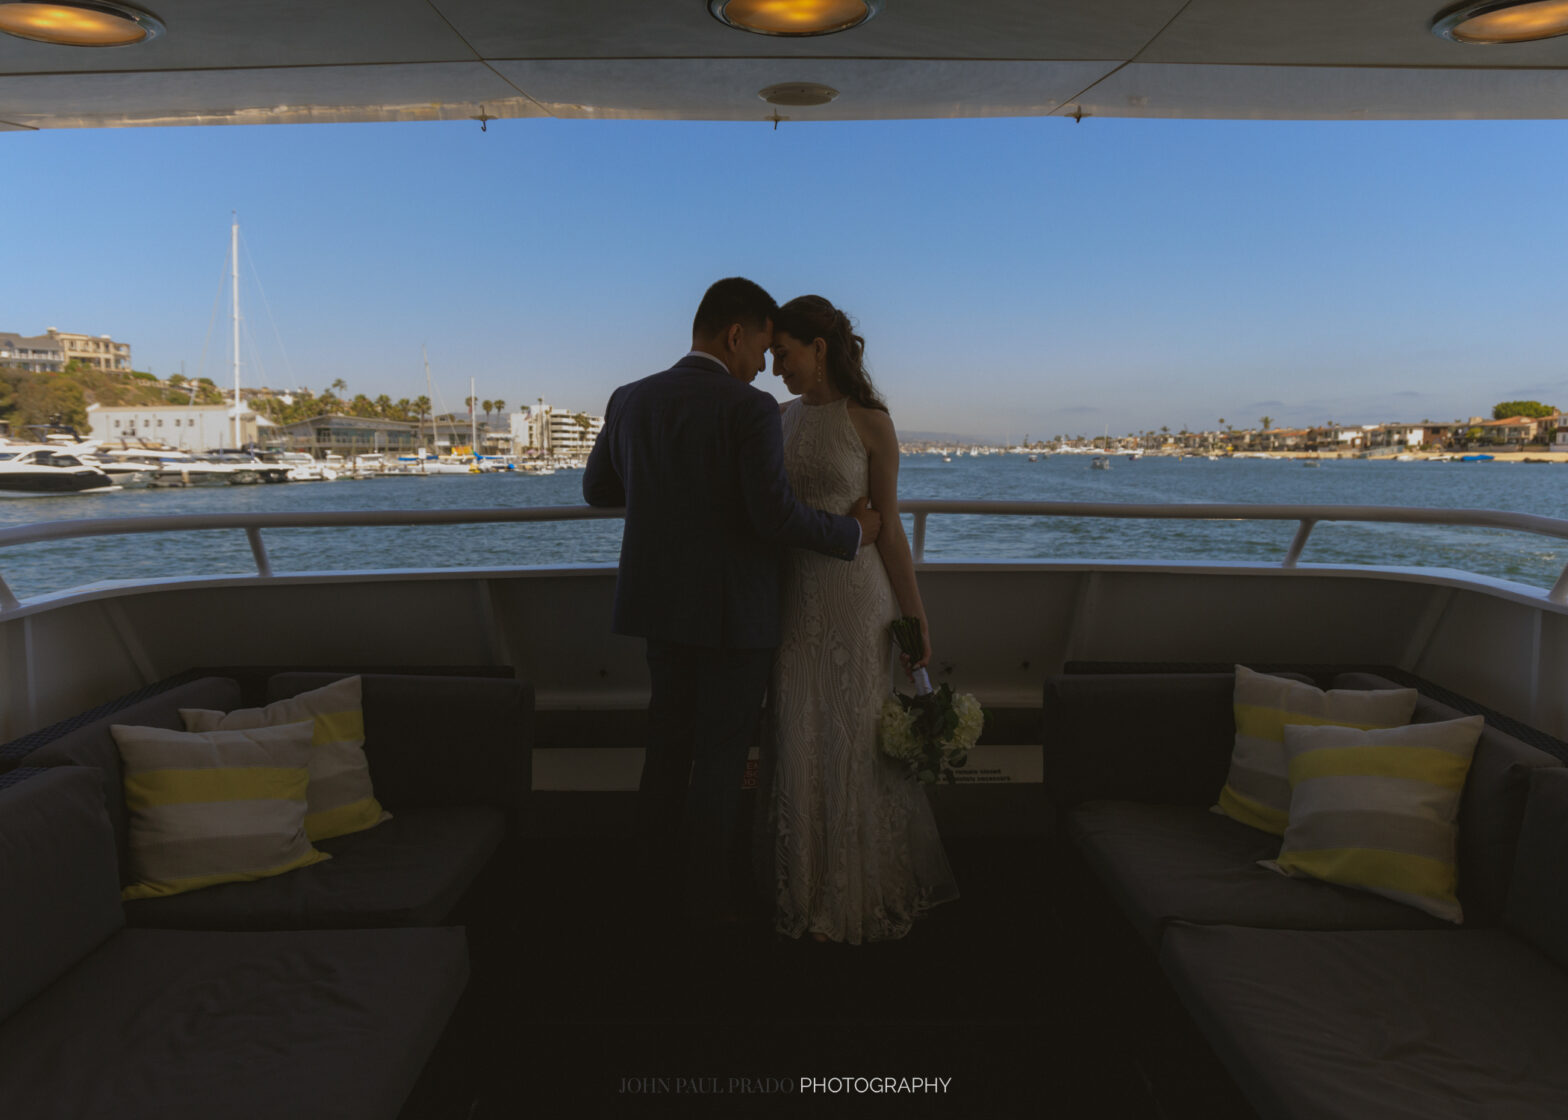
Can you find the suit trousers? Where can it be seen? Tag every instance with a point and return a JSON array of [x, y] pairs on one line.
[[702, 720]]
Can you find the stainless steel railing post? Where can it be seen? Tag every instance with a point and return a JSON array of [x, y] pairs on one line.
[[258, 549], [1299, 542]]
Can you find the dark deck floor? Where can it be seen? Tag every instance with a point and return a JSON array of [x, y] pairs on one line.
[[1024, 992]]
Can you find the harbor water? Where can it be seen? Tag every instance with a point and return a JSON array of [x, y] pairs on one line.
[[37, 569]]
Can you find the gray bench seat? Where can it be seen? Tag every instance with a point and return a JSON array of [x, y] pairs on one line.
[[1378, 1024], [1134, 810], [1163, 863], [167, 1024], [409, 871], [101, 1021], [448, 758]]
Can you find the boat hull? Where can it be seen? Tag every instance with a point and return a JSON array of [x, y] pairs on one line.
[[47, 484]]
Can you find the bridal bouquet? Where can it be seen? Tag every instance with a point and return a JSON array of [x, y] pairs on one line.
[[930, 732]]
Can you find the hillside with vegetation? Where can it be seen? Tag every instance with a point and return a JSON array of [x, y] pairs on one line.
[[28, 398]]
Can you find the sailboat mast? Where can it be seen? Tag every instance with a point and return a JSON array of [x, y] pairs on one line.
[[473, 423], [234, 284]]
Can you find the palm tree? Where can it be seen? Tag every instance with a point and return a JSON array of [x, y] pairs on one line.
[[489, 405], [500, 406], [1266, 421], [422, 406]]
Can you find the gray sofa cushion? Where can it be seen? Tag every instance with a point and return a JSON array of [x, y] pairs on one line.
[[1414, 1025], [1538, 904], [1165, 863], [59, 885], [93, 745], [168, 1024], [408, 871], [435, 740]]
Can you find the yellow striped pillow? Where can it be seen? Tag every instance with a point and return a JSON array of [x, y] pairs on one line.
[[1257, 790], [342, 799], [214, 807], [1379, 810]]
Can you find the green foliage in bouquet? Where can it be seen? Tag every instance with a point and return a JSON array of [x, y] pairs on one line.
[[932, 731]]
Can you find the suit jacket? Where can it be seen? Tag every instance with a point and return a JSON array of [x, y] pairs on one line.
[[697, 459]]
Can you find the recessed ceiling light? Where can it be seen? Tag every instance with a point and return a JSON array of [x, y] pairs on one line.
[[1503, 21], [79, 23], [794, 17], [798, 93]]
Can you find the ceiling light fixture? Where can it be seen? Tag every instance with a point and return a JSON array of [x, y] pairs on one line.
[[79, 23], [794, 17], [798, 94], [1503, 21]]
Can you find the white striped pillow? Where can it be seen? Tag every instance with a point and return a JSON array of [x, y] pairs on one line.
[[1257, 789], [341, 797], [213, 807], [1379, 810]]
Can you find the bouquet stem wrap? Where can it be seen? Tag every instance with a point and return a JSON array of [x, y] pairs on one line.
[[932, 731]]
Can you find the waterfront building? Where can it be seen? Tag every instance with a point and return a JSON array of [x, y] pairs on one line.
[[39, 354], [99, 351], [50, 351], [1400, 435], [186, 427], [351, 435], [367, 435], [543, 430]]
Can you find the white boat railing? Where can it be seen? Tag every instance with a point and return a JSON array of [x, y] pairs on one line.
[[1306, 518]]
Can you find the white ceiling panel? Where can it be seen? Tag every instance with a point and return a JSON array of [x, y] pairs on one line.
[[442, 91], [224, 61], [1002, 29], [869, 89], [1332, 33], [1328, 93], [231, 34]]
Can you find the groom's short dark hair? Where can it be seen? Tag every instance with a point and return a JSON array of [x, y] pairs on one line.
[[729, 301]]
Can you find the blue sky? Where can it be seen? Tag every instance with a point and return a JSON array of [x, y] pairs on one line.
[[1011, 276]]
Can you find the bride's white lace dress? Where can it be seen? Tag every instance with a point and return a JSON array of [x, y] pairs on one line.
[[855, 850]]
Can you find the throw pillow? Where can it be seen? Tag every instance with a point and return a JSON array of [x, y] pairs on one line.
[[1379, 810], [341, 797], [1257, 791], [213, 807]]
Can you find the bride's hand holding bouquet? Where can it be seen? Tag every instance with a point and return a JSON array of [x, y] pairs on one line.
[[932, 731]]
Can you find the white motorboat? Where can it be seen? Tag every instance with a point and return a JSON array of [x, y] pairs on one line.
[[301, 467], [39, 470], [175, 468]]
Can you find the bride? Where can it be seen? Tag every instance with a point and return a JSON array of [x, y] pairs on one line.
[[855, 852]]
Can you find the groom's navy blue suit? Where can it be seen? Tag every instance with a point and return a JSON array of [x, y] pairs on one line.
[[696, 457]]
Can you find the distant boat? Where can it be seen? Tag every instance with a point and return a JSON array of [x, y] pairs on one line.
[[1476, 458], [1034, 458], [1311, 463], [1100, 463]]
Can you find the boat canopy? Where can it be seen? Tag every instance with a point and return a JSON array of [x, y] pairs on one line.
[[237, 62]]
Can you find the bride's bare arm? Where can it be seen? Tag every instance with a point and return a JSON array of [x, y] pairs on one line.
[[876, 432]]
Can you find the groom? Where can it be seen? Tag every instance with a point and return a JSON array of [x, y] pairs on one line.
[[696, 456]]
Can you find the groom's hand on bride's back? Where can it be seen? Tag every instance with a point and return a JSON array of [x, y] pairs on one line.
[[870, 521]]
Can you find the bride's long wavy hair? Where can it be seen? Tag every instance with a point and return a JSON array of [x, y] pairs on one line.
[[807, 318]]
